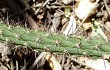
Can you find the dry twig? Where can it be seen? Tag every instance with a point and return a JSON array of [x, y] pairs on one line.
[[108, 10], [41, 7], [43, 54]]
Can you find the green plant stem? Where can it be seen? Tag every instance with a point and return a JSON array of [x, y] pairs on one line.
[[56, 43]]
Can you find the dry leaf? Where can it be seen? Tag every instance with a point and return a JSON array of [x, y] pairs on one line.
[[2, 67], [98, 64], [55, 23], [85, 8], [54, 64], [4, 50], [71, 26], [64, 20]]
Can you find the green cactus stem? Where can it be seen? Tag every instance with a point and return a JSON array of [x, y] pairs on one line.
[[56, 43]]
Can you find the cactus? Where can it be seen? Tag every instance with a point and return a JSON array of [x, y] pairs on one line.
[[56, 43]]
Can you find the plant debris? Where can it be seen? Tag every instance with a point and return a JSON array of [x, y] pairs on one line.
[[89, 18]]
